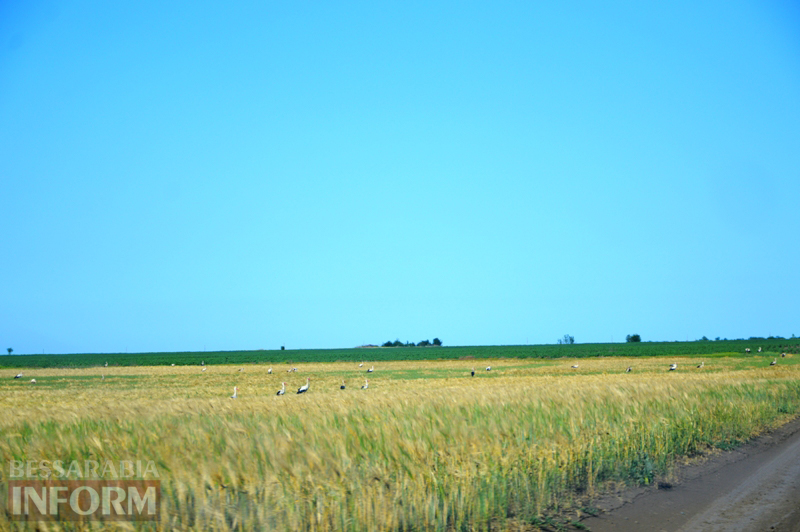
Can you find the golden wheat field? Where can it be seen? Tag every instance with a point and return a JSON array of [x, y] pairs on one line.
[[424, 447]]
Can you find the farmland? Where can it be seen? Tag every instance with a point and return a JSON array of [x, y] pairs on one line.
[[643, 349], [425, 447]]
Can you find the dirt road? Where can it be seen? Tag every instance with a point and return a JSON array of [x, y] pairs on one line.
[[754, 488]]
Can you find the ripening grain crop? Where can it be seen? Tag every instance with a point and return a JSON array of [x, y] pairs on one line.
[[425, 447]]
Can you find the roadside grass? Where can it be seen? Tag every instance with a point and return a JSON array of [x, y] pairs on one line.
[[426, 447]]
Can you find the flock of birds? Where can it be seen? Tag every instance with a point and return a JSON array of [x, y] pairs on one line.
[[672, 367], [304, 388]]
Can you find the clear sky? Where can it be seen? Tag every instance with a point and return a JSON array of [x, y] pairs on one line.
[[202, 175]]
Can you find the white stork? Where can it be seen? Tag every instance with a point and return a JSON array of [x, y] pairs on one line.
[[673, 367], [759, 349], [361, 365], [574, 366], [473, 372], [783, 355], [106, 363], [342, 386], [282, 390], [366, 384], [774, 362], [18, 376], [630, 368], [203, 363], [488, 368], [746, 349], [235, 392], [371, 369], [203, 370], [269, 371], [33, 381], [173, 365], [304, 388], [700, 366]]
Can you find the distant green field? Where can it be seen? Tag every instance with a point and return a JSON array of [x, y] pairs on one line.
[[377, 354]]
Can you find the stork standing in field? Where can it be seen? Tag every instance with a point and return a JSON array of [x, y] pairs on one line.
[[473, 372], [574, 366], [282, 390], [18, 376], [106, 363], [366, 384], [630, 368], [342, 386], [203, 370], [235, 392], [304, 388], [488, 368], [33, 381], [673, 367], [759, 349], [361, 365], [774, 362], [102, 377], [173, 365], [783, 355], [746, 349], [371, 369], [700, 366], [269, 371], [203, 363]]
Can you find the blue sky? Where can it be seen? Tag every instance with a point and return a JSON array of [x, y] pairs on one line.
[[188, 176]]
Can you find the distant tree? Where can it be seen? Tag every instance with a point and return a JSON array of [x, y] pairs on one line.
[[387, 344], [397, 343], [566, 340], [704, 339], [424, 343], [437, 342], [10, 350], [716, 339], [633, 338], [283, 348]]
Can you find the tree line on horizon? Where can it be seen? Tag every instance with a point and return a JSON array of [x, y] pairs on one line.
[[424, 343]]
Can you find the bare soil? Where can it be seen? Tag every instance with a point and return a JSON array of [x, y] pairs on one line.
[[754, 488]]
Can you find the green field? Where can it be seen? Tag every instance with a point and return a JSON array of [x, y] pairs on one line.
[[292, 356]]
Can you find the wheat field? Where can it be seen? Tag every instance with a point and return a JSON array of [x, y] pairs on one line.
[[425, 447]]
